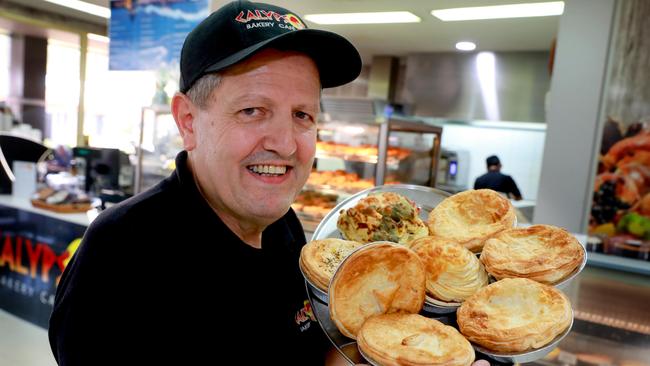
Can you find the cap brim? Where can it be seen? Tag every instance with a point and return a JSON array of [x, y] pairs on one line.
[[338, 61]]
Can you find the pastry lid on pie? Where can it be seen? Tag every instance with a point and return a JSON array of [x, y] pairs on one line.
[[453, 273], [514, 315], [411, 339], [383, 216], [543, 253], [375, 279], [319, 259], [472, 216]]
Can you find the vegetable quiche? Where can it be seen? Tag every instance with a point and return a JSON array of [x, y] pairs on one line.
[[384, 216]]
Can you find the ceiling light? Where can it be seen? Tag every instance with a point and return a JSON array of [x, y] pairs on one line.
[[364, 18], [500, 11], [89, 8], [465, 46]]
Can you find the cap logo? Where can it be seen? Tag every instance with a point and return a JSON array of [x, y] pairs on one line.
[[255, 19]]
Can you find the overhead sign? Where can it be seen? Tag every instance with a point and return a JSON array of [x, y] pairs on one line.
[[149, 34]]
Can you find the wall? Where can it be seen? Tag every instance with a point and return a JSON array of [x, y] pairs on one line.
[[496, 86], [574, 113]]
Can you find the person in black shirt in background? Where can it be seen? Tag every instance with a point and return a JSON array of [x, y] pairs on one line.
[[497, 181]]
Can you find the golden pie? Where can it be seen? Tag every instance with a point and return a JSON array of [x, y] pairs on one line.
[[411, 339], [376, 279], [514, 315], [319, 259], [471, 217], [542, 253], [384, 216], [453, 272]]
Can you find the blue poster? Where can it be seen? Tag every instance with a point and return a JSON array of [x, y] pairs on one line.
[[149, 34]]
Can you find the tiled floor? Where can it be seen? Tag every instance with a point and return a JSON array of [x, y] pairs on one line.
[[23, 343]]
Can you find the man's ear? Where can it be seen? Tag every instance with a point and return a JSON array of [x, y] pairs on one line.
[[185, 113]]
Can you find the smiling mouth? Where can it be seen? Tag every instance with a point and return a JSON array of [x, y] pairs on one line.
[[269, 170]]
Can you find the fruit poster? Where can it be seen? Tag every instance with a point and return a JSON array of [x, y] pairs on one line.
[[620, 210]]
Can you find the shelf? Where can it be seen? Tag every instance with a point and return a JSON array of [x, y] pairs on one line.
[[619, 263], [392, 163], [342, 193]]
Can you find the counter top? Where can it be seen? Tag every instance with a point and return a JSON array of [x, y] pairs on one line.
[[83, 219]]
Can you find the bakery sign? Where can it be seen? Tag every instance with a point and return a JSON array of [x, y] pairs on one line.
[[34, 250]]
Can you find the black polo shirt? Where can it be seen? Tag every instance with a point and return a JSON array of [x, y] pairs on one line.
[[497, 181], [159, 279]]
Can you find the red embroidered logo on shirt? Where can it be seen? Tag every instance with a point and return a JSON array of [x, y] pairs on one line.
[[305, 315]]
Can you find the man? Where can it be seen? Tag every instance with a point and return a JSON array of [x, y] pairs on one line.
[[203, 268], [497, 181]]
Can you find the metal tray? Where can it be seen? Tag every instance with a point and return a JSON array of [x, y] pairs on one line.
[[426, 198], [315, 290], [438, 307]]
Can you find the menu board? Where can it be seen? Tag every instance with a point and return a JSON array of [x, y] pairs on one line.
[[149, 34]]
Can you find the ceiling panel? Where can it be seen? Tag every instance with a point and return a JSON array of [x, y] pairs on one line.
[[430, 35]]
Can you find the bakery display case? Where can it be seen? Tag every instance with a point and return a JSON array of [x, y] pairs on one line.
[[353, 155], [158, 144], [612, 322]]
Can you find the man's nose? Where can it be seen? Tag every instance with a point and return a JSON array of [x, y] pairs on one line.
[[280, 136]]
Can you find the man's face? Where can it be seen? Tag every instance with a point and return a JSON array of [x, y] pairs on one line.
[[256, 138]]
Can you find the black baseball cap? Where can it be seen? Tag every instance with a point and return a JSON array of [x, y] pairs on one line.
[[240, 28], [492, 160]]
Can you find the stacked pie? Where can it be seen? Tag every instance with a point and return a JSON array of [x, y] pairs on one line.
[[471, 217], [384, 216], [543, 253], [453, 273], [514, 315], [411, 339], [319, 259], [376, 279]]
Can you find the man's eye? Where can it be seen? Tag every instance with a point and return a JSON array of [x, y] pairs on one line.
[[249, 111], [302, 115]]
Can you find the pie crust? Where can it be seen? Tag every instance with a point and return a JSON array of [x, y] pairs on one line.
[[470, 217], [375, 279], [543, 253], [413, 340], [514, 315]]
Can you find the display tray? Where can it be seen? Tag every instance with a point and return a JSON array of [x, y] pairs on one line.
[[62, 208], [426, 199]]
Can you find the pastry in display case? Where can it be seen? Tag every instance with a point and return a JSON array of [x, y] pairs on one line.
[[357, 154]]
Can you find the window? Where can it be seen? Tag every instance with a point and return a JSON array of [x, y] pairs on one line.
[[114, 100], [62, 92]]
